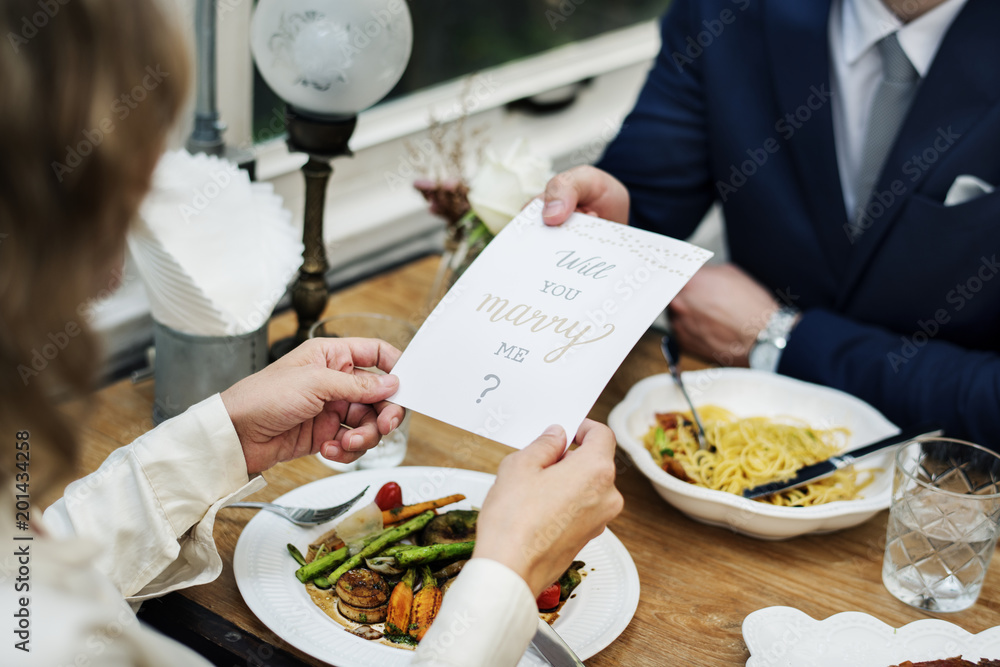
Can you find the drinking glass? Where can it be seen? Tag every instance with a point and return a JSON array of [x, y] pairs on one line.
[[391, 450], [943, 523]]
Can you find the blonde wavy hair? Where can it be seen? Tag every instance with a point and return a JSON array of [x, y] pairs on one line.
[[90, 89]]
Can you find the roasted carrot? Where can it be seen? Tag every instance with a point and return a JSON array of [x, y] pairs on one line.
[[400, 602], [406, 511], [426, 604]]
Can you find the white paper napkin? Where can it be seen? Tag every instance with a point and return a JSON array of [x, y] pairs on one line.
[[215, 251]]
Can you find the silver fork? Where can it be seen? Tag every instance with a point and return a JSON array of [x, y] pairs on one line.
[[304, 516], [672, 353]]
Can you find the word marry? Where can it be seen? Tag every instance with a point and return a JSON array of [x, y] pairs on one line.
[[523, 315]]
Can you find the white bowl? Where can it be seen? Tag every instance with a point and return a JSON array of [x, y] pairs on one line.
[[749, 393]]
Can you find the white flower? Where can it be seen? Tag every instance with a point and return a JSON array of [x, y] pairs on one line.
[[502, 187]]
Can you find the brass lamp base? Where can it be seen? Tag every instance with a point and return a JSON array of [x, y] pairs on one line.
[[322, 139]]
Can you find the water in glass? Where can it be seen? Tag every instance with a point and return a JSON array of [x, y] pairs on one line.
[[937, 552]]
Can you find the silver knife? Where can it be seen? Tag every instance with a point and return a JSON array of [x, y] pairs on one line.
[[553, 648], [816, 471]]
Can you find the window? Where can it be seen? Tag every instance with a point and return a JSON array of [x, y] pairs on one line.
[[454, 39]]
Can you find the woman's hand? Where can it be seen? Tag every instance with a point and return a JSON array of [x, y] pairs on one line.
[[546, 506], [587, 190], [316, 399]]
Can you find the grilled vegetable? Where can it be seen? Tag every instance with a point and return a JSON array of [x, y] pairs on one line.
[[570, 579], [447, 584], [296, 554], [329, 539], [400, 603], [451, 527], [426, 604], [384, 565], [397, 548], [406, 511], [318, 566], [360, 615], [363, 588], [449, 571], [381, 542], [424, 555]]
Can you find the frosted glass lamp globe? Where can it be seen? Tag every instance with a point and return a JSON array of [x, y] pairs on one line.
[[331, 58]]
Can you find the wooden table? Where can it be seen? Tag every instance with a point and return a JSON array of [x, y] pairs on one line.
[[698, 582]]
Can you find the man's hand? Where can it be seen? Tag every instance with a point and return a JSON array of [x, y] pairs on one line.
[[545, 506], [316, 399], [719, 313], [586, 190]]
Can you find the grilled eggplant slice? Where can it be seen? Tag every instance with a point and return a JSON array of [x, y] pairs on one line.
[[451, 527]]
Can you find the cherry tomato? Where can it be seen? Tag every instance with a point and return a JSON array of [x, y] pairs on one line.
[[549, 599], [389, 496]]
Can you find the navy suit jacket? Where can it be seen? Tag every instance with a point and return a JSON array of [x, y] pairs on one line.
[[901, 310]]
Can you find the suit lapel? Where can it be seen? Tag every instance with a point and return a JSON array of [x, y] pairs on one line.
[[798, 48], [962, 83]]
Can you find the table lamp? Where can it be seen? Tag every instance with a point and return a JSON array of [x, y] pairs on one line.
[[328, 60]]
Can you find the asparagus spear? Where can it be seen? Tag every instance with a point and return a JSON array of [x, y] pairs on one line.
[[310, 571], [423, 555], [397, 548], [384, 539], [296, 554]]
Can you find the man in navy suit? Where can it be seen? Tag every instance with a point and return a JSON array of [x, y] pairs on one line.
[[881, 281]]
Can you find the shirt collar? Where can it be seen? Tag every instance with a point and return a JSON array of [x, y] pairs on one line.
[[865, 22]]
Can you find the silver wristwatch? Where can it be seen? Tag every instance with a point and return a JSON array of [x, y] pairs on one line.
[[772, 339]]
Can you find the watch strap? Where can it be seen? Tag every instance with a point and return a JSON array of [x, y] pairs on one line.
[[772, 339]]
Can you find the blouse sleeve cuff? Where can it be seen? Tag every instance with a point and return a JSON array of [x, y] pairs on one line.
[[200, 447]]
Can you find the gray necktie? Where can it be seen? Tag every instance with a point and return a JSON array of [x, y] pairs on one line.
[[889, 107]]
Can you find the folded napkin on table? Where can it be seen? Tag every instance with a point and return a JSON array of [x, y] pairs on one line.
[[215, 251]]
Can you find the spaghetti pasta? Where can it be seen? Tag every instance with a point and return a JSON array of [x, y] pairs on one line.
[[748, 452]]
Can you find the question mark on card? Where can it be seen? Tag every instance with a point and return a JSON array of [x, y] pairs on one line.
[[488, 389]]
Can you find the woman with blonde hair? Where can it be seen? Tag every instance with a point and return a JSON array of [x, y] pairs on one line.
[[88, 92]]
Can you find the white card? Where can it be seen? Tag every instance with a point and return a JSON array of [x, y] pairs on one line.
[[533, 331]]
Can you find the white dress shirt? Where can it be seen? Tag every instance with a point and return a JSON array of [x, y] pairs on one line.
[[856, 68], [141, 526]]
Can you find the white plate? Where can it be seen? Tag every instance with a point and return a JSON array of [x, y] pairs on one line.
[[787, 637], [604, 604], [750, 393]]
